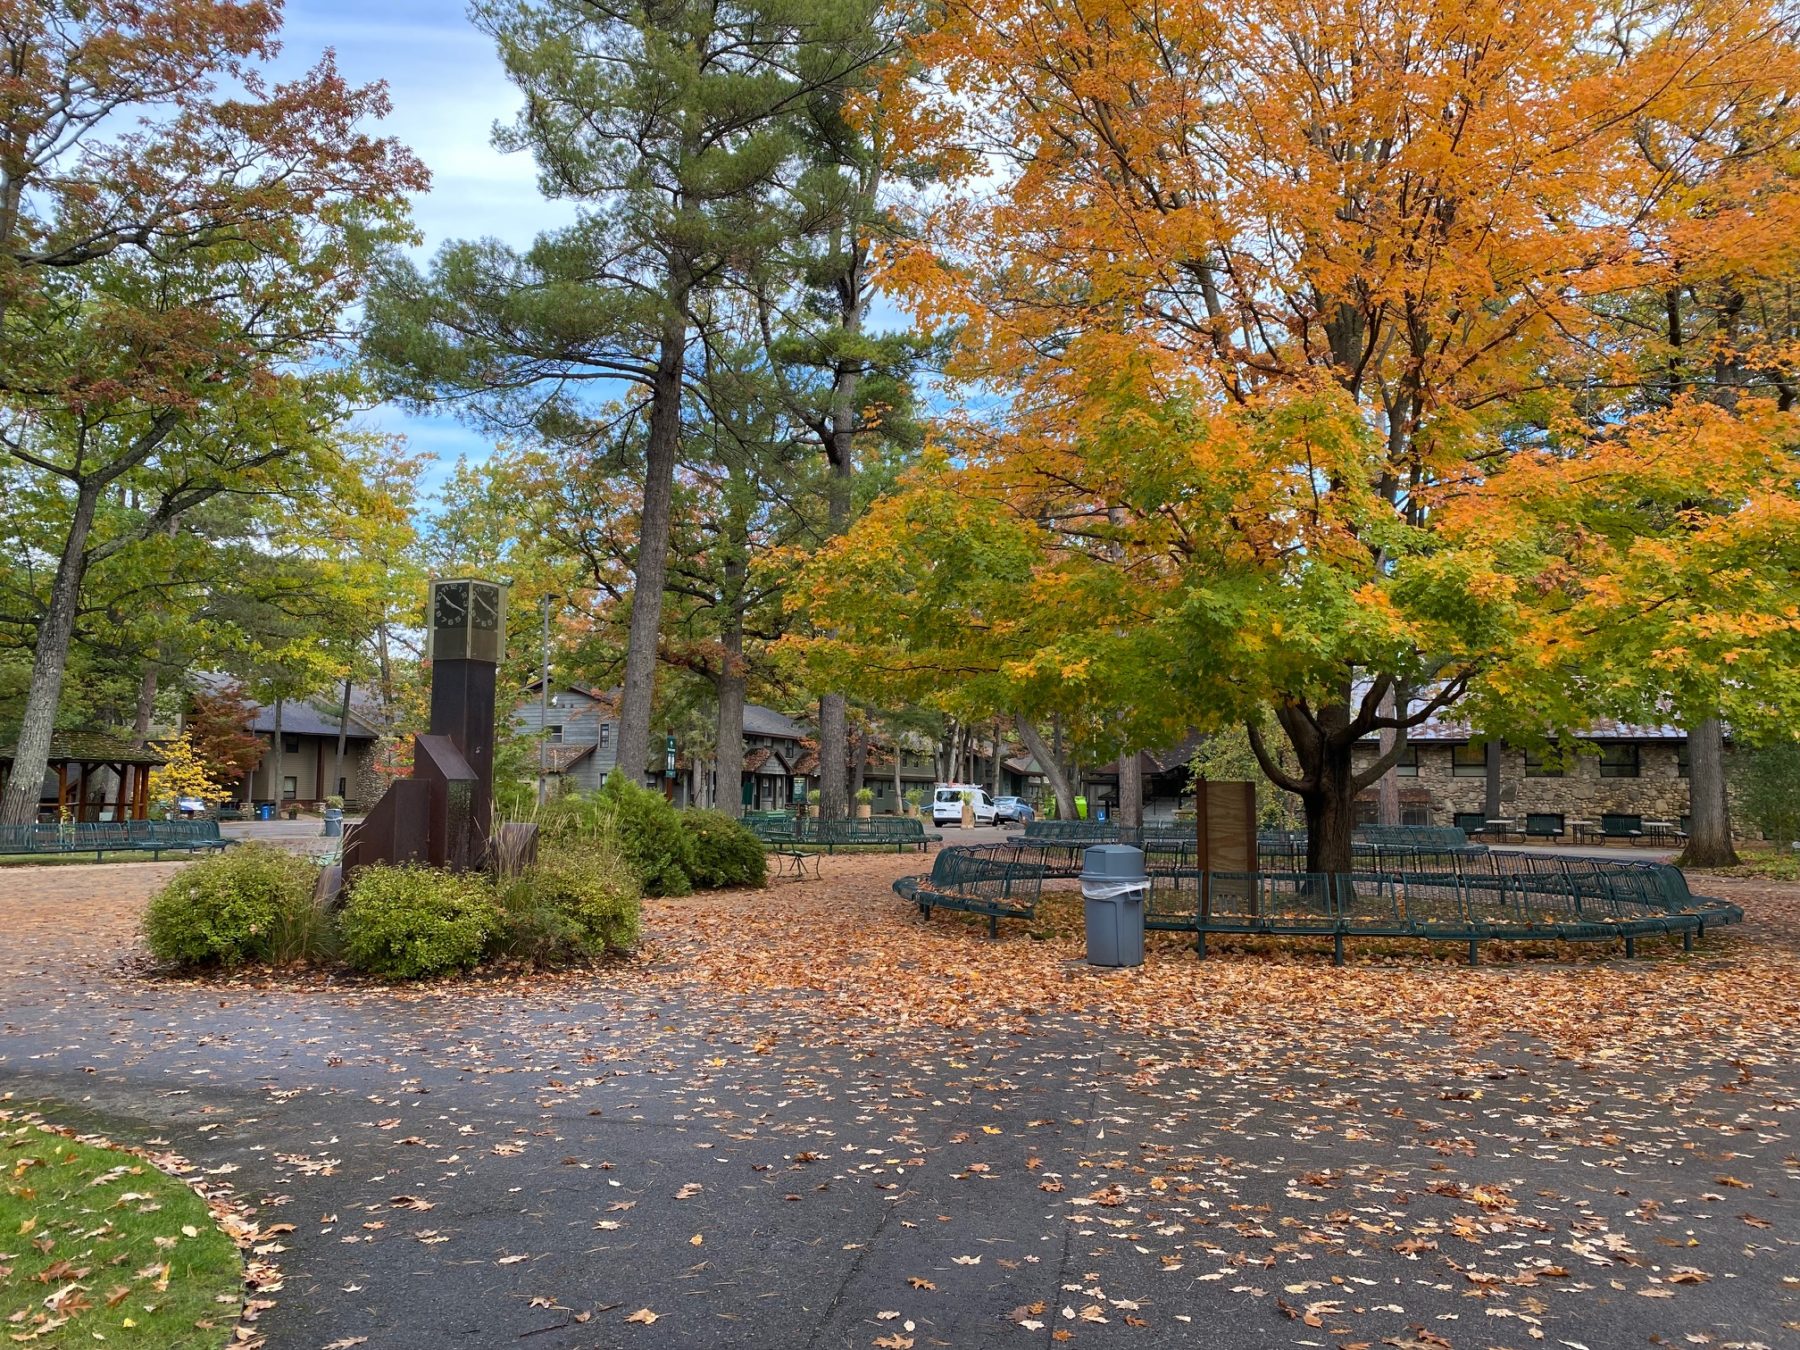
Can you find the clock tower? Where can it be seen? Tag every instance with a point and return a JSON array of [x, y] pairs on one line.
[[467, 641]]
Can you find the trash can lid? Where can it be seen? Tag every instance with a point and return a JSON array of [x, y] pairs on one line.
[[1117, 861]]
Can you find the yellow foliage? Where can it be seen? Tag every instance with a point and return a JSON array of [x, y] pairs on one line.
[[182, 776]]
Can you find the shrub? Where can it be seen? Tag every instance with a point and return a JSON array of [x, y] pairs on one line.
[[570, 905], [1768, 781], [411, 922], [249, 903], [598, 890], [725, 852], [649, 835]]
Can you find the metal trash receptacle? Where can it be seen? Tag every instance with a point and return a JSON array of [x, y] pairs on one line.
[[265, 811], [1114, 887]]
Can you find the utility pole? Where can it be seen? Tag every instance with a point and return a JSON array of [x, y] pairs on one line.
[[544, 711]]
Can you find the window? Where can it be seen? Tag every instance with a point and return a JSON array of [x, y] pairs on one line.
[[1543, 763], [1415, 815], [1468, 761], [605, 734], [1407, 766], [1367, 813], [290, 745], [1618, 759], [1682, 765], [290, 788], [343, 789], [553, 734]]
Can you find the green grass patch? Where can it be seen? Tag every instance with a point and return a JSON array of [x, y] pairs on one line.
[[99, 1247]]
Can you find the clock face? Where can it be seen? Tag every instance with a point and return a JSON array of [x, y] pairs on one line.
[[484, 607], [451, 607]]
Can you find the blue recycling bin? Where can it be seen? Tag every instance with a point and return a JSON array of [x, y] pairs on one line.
[[265, 811]]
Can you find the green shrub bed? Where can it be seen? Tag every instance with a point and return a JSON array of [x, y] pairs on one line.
[[581, 899], [252, 903], [411, 922]]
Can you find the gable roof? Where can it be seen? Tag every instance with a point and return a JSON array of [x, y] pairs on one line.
[[761, 721], [301, 716]]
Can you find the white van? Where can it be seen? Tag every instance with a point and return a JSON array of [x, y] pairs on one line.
[[947, 804]]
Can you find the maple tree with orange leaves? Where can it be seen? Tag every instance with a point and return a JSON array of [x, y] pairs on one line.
[[1354, 361]]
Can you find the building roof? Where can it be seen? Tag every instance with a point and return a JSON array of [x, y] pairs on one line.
[[562, 758], [1451, 730], [301, 716], [91, 747], [758, 720], [761, 721], [763, 760]]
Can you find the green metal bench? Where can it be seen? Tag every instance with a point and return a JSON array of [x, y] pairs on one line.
[[993, 880], [785, 831], [155, 837], [1512, 898], [1484, 897]]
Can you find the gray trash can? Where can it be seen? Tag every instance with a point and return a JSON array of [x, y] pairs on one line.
[[1113, 890], [334, 822]]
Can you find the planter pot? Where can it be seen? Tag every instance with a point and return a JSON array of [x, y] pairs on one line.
[[864, 810]]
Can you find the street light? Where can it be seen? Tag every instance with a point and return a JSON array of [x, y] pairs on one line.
[[544, 708]]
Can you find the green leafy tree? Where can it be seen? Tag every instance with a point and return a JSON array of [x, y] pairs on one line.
[[171, 260], [672, 125]]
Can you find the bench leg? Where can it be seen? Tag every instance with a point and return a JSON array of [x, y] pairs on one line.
[[1200, 944], [1630, 946], [1687, 939], [1474, 951], [1337, 949], [993, 926]]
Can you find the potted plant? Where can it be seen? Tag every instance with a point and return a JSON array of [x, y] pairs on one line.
[[865, 803], [293, 809], [915, 798]]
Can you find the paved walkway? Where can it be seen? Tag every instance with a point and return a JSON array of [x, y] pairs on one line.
[[1302, 1157]]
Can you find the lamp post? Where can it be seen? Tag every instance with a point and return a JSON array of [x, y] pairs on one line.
[[544, 710]]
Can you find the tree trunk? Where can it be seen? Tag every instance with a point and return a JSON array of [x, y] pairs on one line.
[[337, 760], [859, 762], [834, 757], [31, 757], [1059, 781], [146, 703], [1387, 791], [1131, 790], [1709, 826], [1490, 788], [652, 567], [1330, 805], [899, 791], [730, 738], [278, 765], [994, 767]]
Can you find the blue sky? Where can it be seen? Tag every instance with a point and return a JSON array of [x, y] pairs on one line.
[[448, 89]]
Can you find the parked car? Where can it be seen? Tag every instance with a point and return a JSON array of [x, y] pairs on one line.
[[947, 804], [1013, 809]]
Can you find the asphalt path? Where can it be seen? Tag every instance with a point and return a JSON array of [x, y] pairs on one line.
[[537, 1167]]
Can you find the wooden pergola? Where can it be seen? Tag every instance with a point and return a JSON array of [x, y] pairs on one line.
[[77, 758]]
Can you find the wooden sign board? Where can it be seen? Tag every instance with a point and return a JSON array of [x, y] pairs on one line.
[[1225, 815]]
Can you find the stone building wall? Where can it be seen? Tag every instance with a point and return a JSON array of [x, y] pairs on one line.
[[1659, 792]]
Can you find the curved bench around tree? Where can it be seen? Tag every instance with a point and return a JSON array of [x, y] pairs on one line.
[[1489, 897]]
